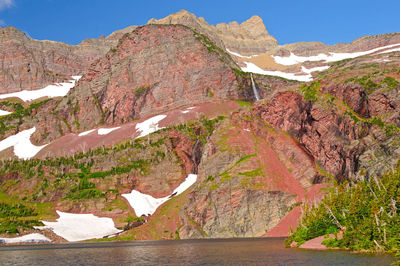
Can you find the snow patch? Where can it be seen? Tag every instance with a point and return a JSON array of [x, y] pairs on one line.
[[105, 131], [390, 51], [250, 67], [77, 227], [187, 110], [144, 204], [2, 113], [239, 55], [149, 126], [31, 238], [293, 59], [55, 90], [23, 148], [86, 133], [100, 131], [310, 70]]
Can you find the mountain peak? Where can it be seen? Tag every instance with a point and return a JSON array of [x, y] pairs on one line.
[[250, 37], [254, 19], [255, 25], [174, 18]]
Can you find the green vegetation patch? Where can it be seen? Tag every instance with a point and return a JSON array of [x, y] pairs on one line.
[[253, 173], [141, 90], [391, 83], [244, 103], [244, 158], [16, 210], [15, 217], [310, 92], [20, 112], [365, 81], [366, 212], [210, 46]]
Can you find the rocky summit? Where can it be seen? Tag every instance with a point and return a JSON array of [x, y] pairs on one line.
[[159, 129]]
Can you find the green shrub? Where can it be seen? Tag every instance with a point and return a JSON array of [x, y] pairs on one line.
[[15, 210], [366, 212]]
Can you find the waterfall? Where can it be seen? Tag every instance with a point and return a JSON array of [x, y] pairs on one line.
[[254, 88]]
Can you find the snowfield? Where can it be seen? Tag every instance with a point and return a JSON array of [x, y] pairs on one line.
[[77, 227], [250, 67], [239, 55], [149, 126], [23, 147], [332, 57], [55, 90], [105, 131], [2, 113], [144, 204], [31, 238]]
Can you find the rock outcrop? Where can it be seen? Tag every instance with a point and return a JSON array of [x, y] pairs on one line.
[[249, 38]]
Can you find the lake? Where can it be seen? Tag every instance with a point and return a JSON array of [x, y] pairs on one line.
[[258, 251]]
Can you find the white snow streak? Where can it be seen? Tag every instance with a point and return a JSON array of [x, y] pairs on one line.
[[100, 131], [332, 57], [149, 126], [86, 133], [144, 204], [31, 238], [23, 148], [55, 90], [77, 227], [105, 131], [239, 55], [2, 113]]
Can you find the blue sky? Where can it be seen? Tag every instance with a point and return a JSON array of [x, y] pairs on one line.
[[331, 22]]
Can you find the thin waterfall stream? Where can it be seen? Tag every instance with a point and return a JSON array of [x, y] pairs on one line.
[[254, 88]]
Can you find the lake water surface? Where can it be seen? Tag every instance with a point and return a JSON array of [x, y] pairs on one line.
[[259, 251]]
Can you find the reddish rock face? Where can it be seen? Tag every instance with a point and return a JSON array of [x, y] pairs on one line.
[[324, 134], [154, 69], [354, 96], [157, 68], [29, 64]]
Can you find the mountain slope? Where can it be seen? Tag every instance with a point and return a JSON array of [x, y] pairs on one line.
[[166, 102]]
